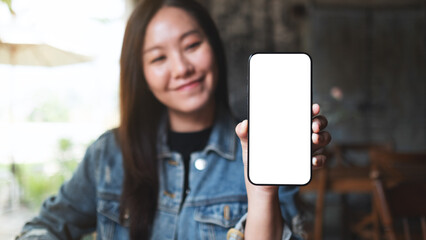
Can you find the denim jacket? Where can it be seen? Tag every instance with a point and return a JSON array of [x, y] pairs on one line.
[[216, 201]]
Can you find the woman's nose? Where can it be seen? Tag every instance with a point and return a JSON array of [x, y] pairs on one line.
[[181, 66]]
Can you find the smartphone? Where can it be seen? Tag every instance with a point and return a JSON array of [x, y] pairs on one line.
[[279, 118]]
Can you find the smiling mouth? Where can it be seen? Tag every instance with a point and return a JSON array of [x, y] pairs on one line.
[[190, 85]]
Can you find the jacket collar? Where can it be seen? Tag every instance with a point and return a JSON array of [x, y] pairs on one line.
[[222, 138]]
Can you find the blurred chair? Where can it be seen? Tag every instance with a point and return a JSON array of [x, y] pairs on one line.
[[399, 181], [343, 177]]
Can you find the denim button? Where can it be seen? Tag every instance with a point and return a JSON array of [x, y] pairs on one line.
[[169, 194], [234, 234], [173, 163], [200, 164]]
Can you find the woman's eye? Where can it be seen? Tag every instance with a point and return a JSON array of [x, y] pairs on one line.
[[158, 59], [193, 45]]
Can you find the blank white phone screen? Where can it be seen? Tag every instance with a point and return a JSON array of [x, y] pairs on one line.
[[279, 119]]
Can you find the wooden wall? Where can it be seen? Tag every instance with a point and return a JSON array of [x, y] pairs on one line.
[[374, 52]]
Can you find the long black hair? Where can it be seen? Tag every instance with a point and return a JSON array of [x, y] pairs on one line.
[[140, 112]]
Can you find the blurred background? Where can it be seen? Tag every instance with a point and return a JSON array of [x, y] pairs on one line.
[[59, 77]]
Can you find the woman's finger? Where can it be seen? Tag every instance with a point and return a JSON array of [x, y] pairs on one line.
[[318, 151], [315, 109], [319, 123], [242, 130], [320, 140], [318, 161]]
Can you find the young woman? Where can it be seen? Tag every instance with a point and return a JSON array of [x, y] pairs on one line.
[[174, 168]]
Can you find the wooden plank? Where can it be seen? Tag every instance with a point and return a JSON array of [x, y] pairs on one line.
[[338, 46], [342, 180], [344, 186], [351, 186], [319, 210], [398, 60]]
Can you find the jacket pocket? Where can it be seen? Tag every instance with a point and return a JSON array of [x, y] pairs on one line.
[[215, 220], [108, 225]]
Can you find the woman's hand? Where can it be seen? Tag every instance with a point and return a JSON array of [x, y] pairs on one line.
[[320, 138], [264, 216]]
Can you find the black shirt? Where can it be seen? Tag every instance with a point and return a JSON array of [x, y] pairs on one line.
[[185, 144]]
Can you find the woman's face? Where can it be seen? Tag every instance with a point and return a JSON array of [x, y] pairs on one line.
[[178, 61]]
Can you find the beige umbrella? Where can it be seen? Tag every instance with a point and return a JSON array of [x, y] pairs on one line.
[[37, 55], [34, 54]]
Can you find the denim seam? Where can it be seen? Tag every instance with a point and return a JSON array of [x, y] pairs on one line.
[[199, 203]]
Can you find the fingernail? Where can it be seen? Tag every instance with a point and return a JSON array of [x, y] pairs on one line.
[[319, 138], [242, 126], [316, 162], [316, 105], [244, 123], [316, 126], [316, 138]]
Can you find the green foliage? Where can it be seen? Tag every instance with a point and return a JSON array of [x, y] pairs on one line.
[[37, 185], [65, 144], [50, 111], [9, 5]]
